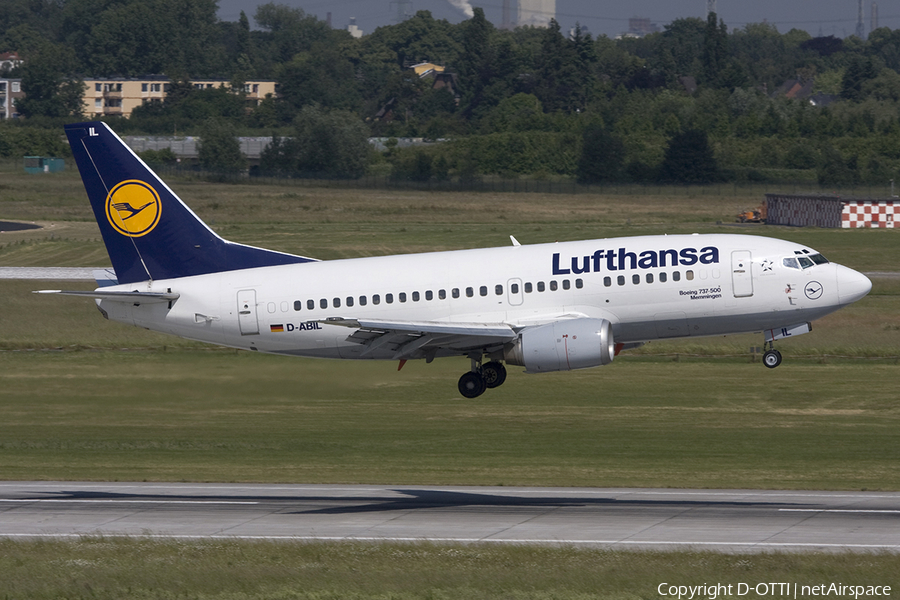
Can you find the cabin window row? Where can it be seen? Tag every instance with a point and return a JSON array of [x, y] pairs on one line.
[[429, 295], [649, 278]]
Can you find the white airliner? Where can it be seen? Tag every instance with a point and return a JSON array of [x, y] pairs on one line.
[[546, 307]]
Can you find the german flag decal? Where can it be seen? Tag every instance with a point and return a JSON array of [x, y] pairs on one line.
[[277, 328]]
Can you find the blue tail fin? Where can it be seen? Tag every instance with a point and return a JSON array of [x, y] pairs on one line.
[[148, 231]]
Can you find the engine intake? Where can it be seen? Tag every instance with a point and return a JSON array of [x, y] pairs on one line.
[[563, 346]]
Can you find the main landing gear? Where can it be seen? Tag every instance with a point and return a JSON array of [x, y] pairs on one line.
[[482, 377], [771, 357]]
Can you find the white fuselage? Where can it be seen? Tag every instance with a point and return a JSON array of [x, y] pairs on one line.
[[648, 287]]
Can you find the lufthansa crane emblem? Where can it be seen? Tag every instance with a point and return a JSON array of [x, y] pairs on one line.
[[133, 208]]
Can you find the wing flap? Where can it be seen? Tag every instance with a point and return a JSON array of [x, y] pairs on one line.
[[498, 330], [400, 340]]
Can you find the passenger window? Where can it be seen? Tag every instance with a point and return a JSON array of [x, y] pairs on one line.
[[554, 285], [689, 275], [415, 296], [442, 294], [635, 279], [336, 302], [514, 288], [297, 305], [579, 283], [566, 284], [402, 296], [607, 281], [540, 286], [649, 277], [455, 292], [429, 295], [362, 301], [483, 290], [323, 303], [310, 304], [469, 292], [376, 299], [676, 276], [620, 280], [349, 300], [498, 290], [662, 277], [389, 298], [528, 287]]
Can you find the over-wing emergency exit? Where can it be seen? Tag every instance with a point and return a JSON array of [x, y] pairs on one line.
[[544, 307]]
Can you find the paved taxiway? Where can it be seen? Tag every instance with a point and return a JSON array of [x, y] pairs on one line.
[[730, 520]]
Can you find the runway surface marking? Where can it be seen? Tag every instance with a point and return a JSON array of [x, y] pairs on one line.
[[721, 520]]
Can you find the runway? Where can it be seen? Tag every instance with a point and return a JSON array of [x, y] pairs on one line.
[[721, 520]]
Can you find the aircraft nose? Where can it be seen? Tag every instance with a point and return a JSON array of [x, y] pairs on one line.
[[852, 285]]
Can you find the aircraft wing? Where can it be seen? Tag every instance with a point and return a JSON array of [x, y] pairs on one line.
[[414, 339]]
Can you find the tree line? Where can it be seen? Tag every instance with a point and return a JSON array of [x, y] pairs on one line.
[[695, 102]]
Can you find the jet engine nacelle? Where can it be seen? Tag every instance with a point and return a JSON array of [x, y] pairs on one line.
[[563, 346]]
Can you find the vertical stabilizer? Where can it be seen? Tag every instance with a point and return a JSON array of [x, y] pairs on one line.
[[148, 231]]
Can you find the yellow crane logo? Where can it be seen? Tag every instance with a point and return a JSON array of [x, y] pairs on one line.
[[133, 208]]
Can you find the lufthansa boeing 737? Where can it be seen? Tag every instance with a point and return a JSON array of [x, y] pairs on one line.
[[545, 307]]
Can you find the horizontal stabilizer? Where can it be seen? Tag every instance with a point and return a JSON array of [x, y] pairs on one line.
[[118, 296], [105, 277]]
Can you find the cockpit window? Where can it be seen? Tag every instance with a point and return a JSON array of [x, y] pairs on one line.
[[804, 262]]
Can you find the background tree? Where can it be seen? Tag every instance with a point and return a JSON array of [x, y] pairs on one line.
[[220, 150], [689, 159], [50, 90], [860, 70], [325, 144], [602, 156]]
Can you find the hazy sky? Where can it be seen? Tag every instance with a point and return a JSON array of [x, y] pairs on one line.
[[825, 17]]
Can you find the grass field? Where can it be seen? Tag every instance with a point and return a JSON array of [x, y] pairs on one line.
[[278, 571], [82, 398]]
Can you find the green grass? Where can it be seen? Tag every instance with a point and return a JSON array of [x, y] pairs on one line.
[[222, 415], [115, 569]]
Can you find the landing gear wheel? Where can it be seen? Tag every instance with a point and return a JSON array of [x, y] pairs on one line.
[[772, 358], [494, 374], [472, 384]]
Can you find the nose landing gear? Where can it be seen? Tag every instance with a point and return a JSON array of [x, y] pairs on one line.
[[482, 377]]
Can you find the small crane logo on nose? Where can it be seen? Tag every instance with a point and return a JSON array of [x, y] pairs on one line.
[[813, 290]]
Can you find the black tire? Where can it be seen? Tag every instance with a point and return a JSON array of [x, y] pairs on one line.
[[772, 358], [494, 374], [471, 384]]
